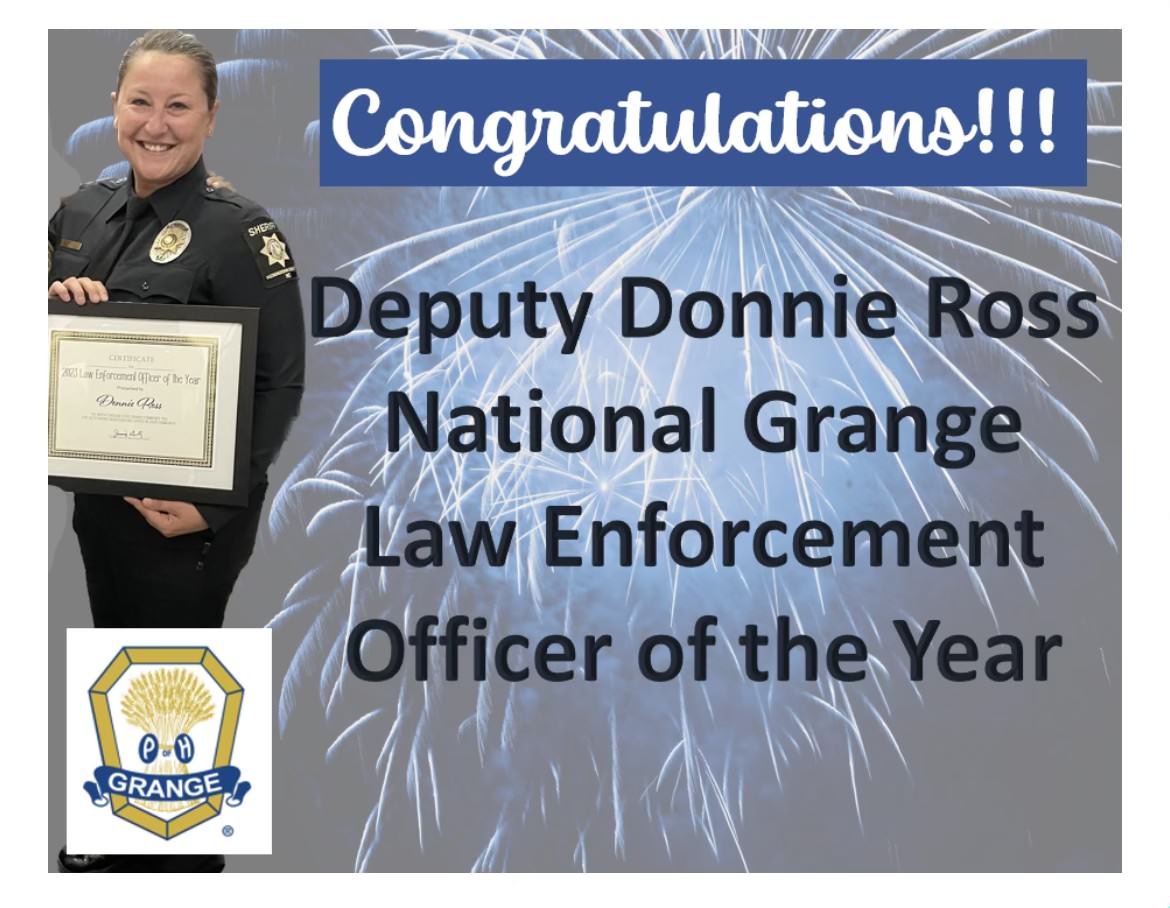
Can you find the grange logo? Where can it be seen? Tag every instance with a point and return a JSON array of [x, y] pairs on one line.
[[166, 720]]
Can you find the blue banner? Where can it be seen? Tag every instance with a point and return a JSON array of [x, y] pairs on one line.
[[703, 123], [193, 786]]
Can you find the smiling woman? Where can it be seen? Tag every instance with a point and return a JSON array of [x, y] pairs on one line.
[[164, 110], [164, 235]]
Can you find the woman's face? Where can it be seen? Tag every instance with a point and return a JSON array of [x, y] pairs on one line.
[[161, 118]]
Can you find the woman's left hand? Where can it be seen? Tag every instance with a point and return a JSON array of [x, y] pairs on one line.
[[171, 518], [215, 181]]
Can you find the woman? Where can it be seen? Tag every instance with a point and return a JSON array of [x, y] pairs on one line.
[[164, 234], [106, 240]]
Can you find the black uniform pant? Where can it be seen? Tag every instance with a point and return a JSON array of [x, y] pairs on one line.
[[138, 578]]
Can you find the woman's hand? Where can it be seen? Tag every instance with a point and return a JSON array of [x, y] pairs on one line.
[[215, 181], [79, 289], [171, 518]]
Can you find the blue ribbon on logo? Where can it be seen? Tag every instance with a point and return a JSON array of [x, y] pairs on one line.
[[111, 780]]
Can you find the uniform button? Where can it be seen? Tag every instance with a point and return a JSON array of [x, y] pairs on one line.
[[146, 285]]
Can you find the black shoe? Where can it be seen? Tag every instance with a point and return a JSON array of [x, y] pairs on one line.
[[139, 863], [84, 863]]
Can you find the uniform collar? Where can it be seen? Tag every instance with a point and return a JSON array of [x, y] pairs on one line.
[[168, 201]]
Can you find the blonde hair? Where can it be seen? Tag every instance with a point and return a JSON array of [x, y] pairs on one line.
[[174, 42]]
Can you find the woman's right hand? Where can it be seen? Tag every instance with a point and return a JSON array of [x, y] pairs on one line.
[[80, 290]]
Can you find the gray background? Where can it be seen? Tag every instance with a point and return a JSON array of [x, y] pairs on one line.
[[625, 774]]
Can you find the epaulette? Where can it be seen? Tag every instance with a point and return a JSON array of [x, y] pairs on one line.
[[89, 198], [245, 209], [228, 195]]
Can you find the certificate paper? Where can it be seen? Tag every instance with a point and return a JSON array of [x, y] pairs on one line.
[[143, 402], [121, 404]]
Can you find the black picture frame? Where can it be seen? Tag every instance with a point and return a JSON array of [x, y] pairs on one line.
[[249, 320]]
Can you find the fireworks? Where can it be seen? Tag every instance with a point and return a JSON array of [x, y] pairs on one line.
[[681, 774], [625, 774]]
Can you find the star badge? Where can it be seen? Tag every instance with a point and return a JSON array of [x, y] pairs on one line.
[[170, 242], [275, 251]]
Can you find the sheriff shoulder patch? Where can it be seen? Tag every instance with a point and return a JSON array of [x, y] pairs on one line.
[[270, 252]]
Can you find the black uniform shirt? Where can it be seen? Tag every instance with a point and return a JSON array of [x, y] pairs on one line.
[[236, 256]]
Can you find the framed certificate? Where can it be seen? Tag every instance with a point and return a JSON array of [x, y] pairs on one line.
[[152, 400]]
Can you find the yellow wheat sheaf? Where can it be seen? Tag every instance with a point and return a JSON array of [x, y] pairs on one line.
[[167, 703]]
